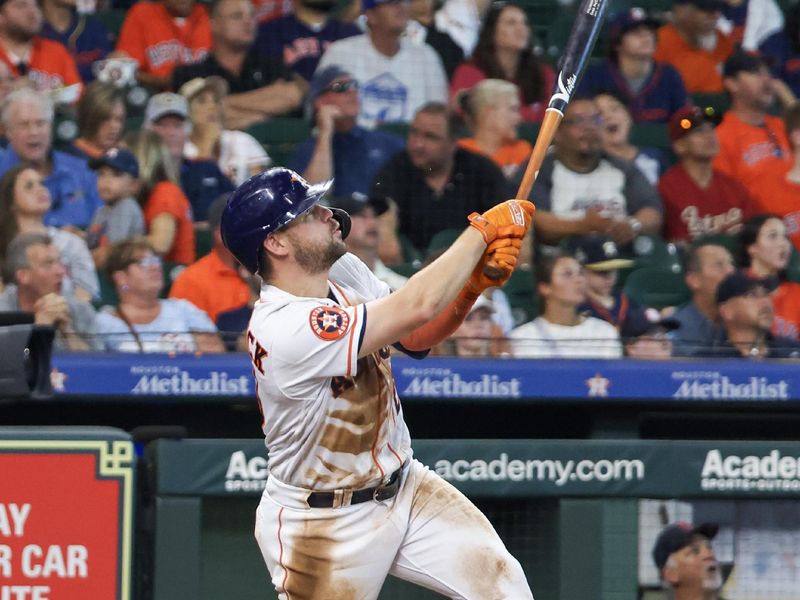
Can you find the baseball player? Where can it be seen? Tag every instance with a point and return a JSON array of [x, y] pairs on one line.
[[346, 503]]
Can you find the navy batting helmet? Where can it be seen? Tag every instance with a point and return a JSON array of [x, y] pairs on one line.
[[262, 205]]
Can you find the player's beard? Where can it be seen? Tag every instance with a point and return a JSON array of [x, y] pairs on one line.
[[318, 256]]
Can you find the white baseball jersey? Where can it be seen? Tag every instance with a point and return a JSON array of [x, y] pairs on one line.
[[331, 420]]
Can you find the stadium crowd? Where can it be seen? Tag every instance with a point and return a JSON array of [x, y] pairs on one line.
[[668, 207]]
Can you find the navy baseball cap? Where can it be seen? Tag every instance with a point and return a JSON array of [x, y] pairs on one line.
[[740, 283], [598, 253], [119, 159], [679, 535], [741, 61], [643, 321], [628, 20], [370, 4], [320, 82]]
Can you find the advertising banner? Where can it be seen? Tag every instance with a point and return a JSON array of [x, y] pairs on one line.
[[229, 376], [525, 468], [66, 509]]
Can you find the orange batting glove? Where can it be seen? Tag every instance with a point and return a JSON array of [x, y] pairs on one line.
[[517, 213], [503, 256]]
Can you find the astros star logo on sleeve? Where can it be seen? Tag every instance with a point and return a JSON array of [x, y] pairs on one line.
[[329, 322]]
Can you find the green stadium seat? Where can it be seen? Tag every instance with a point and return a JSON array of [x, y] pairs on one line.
[[528, 132], [657, 287], [650, 135], [280, 135], [112, 20], [108, 293], [731, 242], [652, 251], [719, 102], [442, 241], [793, 268], [520, 289], [203, 241], [398, 128]]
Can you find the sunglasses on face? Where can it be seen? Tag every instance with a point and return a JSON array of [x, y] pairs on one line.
[[340, 87], [148, 261]]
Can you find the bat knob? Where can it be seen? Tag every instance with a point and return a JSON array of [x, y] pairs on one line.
[[492, 271]]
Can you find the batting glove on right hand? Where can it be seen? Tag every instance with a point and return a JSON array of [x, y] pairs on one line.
[[516, 214]]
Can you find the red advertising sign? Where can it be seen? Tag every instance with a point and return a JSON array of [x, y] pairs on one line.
[[65, 519]]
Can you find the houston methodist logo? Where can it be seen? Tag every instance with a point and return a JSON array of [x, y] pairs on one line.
[[329, 322]]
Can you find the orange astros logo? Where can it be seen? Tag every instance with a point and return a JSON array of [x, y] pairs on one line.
[[329, 322]]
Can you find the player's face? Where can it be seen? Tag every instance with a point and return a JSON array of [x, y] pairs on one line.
[[601, 283], [695, 567], [429, 145], [31, 197], [753, 88], [45, 272], [234, 22], [315, 239], [113, 185], [567, 285], [179, 8], [110, 131], [172, 131], [21, 19], [580, 130], [473, 335], [204, 109], [512, 31], [772, 249], [29, 132], [342, 93], [638, 43], [716, 263], [616, 120], [700, 143]]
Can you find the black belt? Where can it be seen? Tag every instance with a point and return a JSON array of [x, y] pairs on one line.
[[340, 498]]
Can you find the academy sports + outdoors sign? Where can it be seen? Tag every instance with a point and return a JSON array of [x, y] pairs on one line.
[[66, 513], [524, 468], [221, 376]]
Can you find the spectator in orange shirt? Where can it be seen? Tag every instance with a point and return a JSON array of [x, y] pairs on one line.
[[777, 186], [167, 213], [765, 252], [750, 139], [693, 44], [162, 35], [213, 283], [45, 62], [492, 110]]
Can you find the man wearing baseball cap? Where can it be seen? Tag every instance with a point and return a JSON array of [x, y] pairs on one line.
[[396, 76], [645, 335], [698, 199], [751, 140], [340, 149], [652, 90], [746, 312], [686, 561], [693, 44]]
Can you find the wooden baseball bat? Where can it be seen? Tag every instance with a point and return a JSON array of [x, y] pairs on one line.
[[580, 43]]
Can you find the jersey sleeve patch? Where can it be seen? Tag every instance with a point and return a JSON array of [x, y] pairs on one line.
[[329, 323]]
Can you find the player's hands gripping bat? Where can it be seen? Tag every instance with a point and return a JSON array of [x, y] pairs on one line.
[[573, 63]]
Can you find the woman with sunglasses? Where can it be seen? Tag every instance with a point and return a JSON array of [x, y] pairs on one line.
[[24, 200], [143, 322], [765, 251], [505, 51]]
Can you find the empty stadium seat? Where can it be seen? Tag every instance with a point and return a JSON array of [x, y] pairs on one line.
[[279, 136], [731, 242], [652, 251], [657, 287]]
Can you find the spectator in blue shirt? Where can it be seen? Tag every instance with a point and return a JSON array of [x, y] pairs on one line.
[[707, 264], [299, 39], [653, 90], [28, 120], [85, 37], [341, 150]]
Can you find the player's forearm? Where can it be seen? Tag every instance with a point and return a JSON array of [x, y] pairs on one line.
[[430, 290]]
